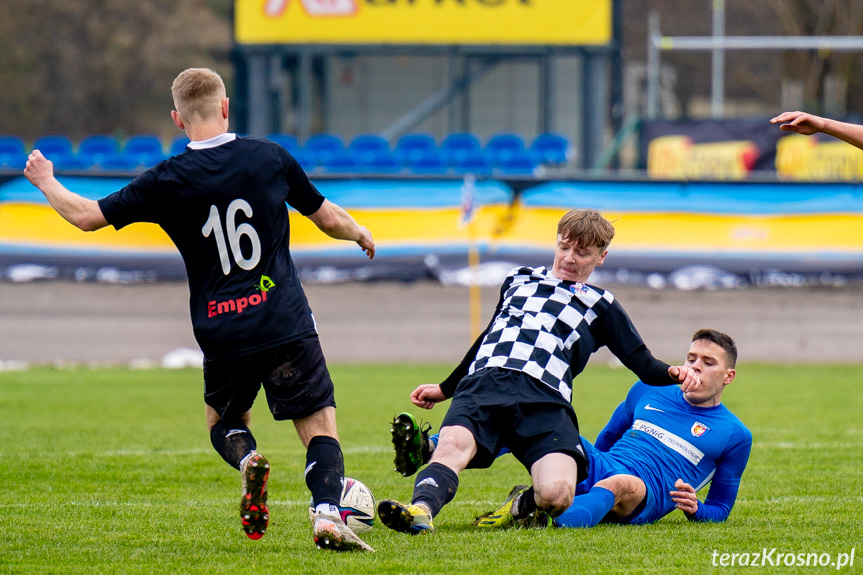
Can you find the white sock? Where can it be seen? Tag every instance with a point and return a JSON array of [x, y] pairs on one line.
[[245, 460], [327, 508]]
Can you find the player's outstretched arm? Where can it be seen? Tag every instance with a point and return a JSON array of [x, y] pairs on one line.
[[80, 212], [338, 224], [427, 395], [808, 124]]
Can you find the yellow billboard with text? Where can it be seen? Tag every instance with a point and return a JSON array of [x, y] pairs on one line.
[[478, 22], [804, 158]]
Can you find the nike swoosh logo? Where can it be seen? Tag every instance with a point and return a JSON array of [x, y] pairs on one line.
[[309, 468], [653, 408]]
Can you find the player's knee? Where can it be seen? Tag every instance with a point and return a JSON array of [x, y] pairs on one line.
[[453, 454], [554, 497], [455, 448]]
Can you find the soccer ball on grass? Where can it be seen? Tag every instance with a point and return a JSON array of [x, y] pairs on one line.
[[357, 507]]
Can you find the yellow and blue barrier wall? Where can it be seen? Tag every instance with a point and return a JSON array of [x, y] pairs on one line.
[[660, 226]]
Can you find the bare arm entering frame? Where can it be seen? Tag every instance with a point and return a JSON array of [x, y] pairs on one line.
[[338, 224], [82, 213], [808, 124]]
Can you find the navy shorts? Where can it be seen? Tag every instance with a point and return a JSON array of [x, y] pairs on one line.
[[508, 408], [294, 375]]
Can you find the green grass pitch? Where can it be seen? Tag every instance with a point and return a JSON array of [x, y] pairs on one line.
[[111, 471]]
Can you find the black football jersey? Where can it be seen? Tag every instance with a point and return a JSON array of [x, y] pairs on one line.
[[222, 203]]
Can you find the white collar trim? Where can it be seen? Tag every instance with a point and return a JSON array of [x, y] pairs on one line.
[[212, 142]]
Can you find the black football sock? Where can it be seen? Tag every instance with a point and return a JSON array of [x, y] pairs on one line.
[[325, 470], [233, 442], [435, 487], [525, 504]]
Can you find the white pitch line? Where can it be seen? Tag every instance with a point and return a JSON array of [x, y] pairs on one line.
[[214, 502], [802, 499], [367, 449], [198, 451], [794, 445]]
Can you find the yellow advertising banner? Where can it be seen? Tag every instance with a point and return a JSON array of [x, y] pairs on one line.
[[494, 22], [805, 158]]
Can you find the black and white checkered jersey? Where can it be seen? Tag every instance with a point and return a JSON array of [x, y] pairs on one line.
[[548, 328]]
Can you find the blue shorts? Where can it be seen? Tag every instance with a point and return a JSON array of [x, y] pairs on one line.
[[602, 466]]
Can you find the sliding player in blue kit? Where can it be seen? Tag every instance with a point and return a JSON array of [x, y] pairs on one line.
[[662, 446], [222, 203], [659, 448]]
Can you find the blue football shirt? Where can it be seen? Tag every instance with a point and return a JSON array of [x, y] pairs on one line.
[[659, 437]]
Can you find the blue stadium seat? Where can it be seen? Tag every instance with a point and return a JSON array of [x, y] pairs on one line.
[[324, 147], [342, 162], [458, 146], [53, 146], [503, 146], [523, 163], [287, 141], [386, 163], [71, 162], [13, 161], [119, 163], [550, 148], [430, 163], [178, 145], [13, 155], [474, 162], [98, 147], [414, 146], [11, 146], [368, 147], [146, 149]]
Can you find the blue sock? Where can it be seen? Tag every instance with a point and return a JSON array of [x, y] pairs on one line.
[[587, 510]]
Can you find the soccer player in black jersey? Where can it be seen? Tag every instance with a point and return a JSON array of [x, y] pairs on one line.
[[514, 386], [222, 203]]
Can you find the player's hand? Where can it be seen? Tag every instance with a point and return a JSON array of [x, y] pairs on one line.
[[684, 497], [799, 123], [427, 395], [688, 378], [366, 242], [39, 169]]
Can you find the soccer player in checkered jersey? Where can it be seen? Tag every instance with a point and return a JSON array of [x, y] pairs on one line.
[[222, 203], [514, 386]]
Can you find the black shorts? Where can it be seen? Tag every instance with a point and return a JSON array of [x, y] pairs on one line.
[[508, 408], [294, 375]]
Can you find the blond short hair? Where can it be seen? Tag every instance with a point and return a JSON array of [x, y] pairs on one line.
[[586, 227], [198, 95]]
